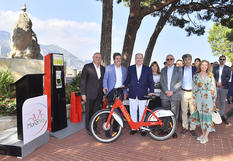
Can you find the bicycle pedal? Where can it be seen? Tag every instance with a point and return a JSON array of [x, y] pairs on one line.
[[144, 128]]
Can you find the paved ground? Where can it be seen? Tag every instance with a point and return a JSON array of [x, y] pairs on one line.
[[81, 146]]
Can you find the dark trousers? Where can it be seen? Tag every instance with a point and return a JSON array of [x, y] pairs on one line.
[[92, 106], [174, 106], [154, 103], [110, 98], [229, 113]]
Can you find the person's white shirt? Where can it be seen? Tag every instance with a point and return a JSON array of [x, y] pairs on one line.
[[139, 71], [97, 70], [187, 82], [220, 73], [169, 76], [118, 77]]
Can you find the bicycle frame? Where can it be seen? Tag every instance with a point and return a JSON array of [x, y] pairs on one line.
[[132, 124]]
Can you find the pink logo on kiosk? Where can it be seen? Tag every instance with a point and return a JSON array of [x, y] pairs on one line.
[[35, 118]]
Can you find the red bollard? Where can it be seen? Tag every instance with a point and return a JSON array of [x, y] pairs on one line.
[[75, 108]]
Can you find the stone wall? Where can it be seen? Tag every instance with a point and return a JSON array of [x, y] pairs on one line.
[[21, 67]]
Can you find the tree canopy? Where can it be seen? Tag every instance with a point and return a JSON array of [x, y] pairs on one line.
[[219, 43]]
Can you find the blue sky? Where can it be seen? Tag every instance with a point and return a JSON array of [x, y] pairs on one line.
[[76, 25]]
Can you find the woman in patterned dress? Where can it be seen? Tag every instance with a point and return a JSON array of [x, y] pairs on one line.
[[204, 94]]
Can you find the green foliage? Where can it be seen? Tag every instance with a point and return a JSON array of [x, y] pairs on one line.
[[7, 94], [5, 85], [74, 86], [7, 106], [220, 45]]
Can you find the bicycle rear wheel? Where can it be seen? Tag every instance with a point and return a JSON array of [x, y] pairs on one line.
[[162, 133], [98, 128]]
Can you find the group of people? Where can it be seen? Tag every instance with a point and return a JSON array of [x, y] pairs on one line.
[[195, 88]]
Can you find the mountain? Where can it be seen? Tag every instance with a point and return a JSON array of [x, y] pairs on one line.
[[4, 43], [71, 60]]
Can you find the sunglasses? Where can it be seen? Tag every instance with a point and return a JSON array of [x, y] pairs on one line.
[[169, 59], [222, 59]]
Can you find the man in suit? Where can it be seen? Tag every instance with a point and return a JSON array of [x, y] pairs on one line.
[[230, 91], [91, 87], [230, 112], [186, 95], [114, 77], [222, 75], [139, 79], [171, 81]]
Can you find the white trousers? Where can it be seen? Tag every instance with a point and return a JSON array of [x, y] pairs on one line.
[[133, 107]]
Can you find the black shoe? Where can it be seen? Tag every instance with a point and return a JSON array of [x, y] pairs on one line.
[[193, 134], [224, 119], [89, 133], [175, 135], [183, 132], [132, 132], [107, 134], [143, 133], [228, 101]]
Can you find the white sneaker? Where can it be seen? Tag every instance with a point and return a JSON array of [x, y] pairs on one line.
[[203, 140], [200, 137]]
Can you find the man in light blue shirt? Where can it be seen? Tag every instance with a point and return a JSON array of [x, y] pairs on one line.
[[187, 97]]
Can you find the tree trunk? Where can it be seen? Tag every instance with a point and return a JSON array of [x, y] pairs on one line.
[[129, 41], [106, 32], [161, 23]]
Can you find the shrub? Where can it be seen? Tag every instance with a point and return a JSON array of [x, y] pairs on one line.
[[7, 94], [73, 86]]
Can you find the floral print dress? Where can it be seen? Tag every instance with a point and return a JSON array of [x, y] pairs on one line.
[[204, 94]]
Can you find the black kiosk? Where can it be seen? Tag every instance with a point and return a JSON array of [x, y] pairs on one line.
[[30, 85], [11, 140]]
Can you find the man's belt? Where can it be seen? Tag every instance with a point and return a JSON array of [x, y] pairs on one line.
[[187, 90]]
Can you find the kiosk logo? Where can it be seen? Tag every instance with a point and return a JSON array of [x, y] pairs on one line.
[[35, 118]]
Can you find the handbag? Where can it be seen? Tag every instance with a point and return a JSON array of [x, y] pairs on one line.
[[216, 118]]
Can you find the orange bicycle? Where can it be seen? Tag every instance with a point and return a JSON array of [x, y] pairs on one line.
[[159, 123]]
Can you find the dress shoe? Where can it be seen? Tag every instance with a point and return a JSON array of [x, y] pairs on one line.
[[132, 132], [143, 133], [107, 134], [89, 133], [183, 132], [175, 135], [193, 134], [224, 119]]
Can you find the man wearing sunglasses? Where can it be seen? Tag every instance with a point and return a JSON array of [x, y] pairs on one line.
[[171, 80], [222, 75]]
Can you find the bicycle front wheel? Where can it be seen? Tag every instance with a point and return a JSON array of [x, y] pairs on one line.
[[160, 133], [99, 130]]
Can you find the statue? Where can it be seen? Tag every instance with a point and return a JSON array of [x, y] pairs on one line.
[[23, 39]]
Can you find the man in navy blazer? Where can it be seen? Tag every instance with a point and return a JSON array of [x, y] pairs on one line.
[[139, 80], [222, 75], [114, 77]]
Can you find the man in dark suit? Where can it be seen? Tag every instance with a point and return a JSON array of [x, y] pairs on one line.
[[222, 75], [92, 87], [230, 91], [171, 81], [139, 79], [230, 112]]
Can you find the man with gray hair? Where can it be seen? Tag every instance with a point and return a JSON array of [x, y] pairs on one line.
[[186, 95], [139, 80], [170, 80]]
